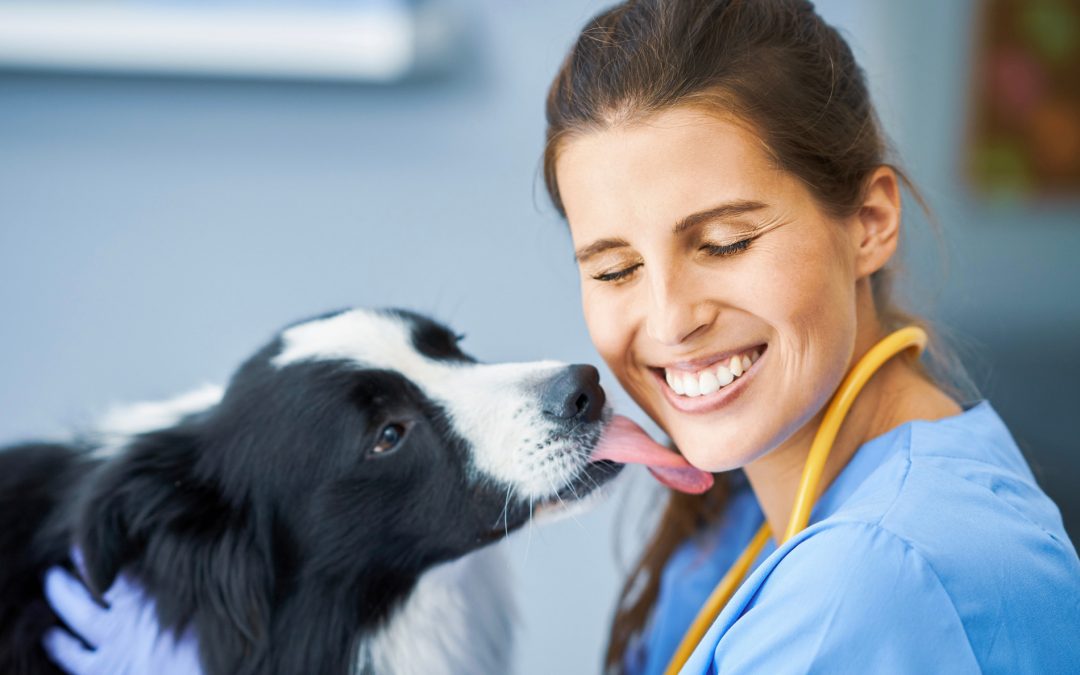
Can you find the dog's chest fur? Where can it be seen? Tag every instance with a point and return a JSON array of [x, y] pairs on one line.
[[458, 619]]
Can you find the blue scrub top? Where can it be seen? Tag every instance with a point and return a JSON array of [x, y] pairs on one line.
[[933, 551]]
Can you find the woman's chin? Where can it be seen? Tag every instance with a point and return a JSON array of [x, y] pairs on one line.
[[712, 452]]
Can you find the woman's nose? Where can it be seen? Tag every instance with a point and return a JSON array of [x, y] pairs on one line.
[[674, 313]]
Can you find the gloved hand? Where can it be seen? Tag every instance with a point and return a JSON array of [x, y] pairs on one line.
[[125, 637]]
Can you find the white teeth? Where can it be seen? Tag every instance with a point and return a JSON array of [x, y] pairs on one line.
[[710, 383], [676, 383], [724, 376], [691, 385]]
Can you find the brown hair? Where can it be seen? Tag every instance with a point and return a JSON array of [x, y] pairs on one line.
[[774, 64]]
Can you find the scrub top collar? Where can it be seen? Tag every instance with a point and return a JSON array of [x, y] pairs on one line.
[[868, 458], [873, 453]]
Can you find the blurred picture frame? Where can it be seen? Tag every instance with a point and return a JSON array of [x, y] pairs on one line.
[[1024, 127]]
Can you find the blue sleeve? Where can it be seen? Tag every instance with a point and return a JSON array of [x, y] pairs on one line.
[[852, 598]]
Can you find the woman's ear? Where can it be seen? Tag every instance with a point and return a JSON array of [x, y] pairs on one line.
[[877, 222]]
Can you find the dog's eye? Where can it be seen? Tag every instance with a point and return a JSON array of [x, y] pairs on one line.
[[388, 438]]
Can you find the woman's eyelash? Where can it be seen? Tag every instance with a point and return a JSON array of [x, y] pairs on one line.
[[728, 249], [616, 276], [711, 249]]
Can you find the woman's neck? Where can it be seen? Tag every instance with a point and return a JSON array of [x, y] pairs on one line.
[[894, 395]]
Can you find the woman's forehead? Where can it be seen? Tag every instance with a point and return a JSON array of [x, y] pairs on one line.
[[660, 170]]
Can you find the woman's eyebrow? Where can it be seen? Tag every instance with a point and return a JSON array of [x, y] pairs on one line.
[[727, 209], [598, 246]]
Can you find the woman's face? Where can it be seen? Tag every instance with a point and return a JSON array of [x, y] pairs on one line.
[[716, 289]]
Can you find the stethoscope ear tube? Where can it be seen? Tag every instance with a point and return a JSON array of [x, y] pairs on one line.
[[909, 337]]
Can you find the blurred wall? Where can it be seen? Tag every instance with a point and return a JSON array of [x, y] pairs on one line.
[[154, 232], [1007, 285]]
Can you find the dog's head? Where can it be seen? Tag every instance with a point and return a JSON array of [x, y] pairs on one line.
[[374, 432], [356, 444]]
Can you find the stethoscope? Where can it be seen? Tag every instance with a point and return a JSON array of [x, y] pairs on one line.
[[837, 410]]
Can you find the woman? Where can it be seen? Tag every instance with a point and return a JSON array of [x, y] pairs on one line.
[[734, 220], [725, 182]]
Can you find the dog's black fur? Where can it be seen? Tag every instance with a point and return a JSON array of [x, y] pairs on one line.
[[266, 521]]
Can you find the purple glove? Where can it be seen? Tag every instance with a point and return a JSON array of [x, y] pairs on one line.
[[125, 638]]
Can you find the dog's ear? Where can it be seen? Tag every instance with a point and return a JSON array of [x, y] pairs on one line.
[[131, 500], [198, 553]]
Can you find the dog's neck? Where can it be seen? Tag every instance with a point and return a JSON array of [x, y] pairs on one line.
[[458, 619]]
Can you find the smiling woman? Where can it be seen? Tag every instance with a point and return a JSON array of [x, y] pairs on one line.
[[750, 267], [735, 221]]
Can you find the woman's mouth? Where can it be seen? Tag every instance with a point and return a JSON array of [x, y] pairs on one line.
[[707, 388]]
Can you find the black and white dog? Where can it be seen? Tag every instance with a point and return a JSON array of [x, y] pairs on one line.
[[303, 519]]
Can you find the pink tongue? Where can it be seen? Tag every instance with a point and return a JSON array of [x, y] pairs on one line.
[[627, 443]]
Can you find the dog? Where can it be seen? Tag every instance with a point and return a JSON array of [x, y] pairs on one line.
[[319, 513]]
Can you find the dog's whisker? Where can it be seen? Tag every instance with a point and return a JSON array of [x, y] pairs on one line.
[[563, 502], [506, 513], [528, 542]]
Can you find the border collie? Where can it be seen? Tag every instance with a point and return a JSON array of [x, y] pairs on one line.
[[290, 518]]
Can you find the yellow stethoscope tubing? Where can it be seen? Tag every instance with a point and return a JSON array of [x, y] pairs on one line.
[[909, 337]]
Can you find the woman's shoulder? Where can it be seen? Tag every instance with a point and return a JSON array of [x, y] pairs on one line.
[[850, 595], [954, 529], [962, 484], [932, 481], [1004, 600]]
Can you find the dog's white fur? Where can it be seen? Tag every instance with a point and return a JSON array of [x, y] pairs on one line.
[[459, 619], [121, 422]]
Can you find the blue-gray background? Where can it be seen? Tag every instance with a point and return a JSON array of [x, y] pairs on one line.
[[154, 231]]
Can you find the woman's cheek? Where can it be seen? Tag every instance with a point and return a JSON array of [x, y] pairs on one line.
[[602, 318], [820, 341]]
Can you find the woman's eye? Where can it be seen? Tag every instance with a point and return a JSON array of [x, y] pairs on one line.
[[711, 249], [388, 438], [727, 249], [618, 274]]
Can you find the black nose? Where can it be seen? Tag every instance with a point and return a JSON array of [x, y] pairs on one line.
[[574, 393]]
